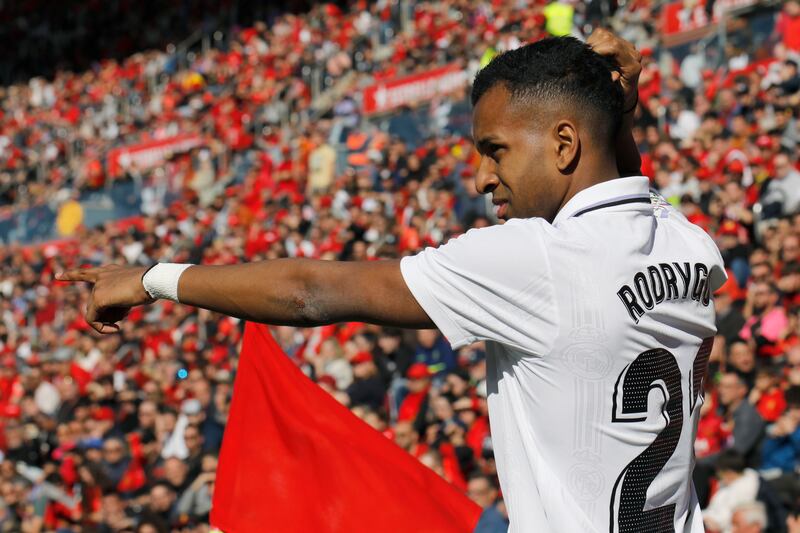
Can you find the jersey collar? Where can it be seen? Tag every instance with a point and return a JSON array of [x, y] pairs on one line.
[[613, 192]]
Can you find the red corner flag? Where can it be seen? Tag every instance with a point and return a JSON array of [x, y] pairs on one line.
[[295, 460]]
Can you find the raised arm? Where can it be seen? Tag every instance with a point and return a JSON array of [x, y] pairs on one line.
[[629, 62], [629, 162], [299, 292]]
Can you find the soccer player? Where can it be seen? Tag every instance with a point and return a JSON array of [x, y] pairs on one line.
[[593, 298]]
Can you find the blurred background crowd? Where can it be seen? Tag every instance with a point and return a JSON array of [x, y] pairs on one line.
[[223, 132]]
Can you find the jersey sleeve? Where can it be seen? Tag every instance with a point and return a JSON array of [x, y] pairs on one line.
[[717, 275], [489, 284]]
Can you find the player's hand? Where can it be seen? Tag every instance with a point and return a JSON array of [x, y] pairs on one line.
[[115, 289], [625, 56]]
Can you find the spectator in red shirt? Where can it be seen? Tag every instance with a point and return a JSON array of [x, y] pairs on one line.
[[787, 26], [407, 438], [419, 383], [767, 394]]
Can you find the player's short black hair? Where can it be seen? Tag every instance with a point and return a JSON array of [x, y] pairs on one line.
[[558, 70]]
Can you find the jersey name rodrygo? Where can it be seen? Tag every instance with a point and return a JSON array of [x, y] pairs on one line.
[[659, 283]]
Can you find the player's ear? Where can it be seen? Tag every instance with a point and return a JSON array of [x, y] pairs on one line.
[[568, 146]]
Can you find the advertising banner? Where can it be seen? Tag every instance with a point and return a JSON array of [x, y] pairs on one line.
[[391, 94], [151, 153]]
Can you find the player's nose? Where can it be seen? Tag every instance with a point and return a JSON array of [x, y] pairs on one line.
[[486, 180]]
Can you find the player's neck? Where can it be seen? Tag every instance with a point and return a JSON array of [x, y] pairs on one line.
[[589, 173]]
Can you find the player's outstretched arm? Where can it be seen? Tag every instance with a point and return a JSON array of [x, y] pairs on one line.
[[629, 63], [299, 292]]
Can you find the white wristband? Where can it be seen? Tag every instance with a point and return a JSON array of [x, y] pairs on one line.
[[161, 281]]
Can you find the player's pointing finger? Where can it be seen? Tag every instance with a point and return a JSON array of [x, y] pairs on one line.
[[85, 274]]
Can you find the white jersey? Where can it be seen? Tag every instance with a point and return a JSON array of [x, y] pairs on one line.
[[598, 329]]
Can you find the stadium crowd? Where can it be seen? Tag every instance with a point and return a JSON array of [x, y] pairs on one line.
[[122, 432]]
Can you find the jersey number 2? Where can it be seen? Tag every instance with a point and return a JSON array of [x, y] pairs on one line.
[[656, 368]]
